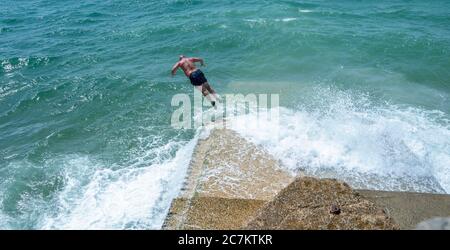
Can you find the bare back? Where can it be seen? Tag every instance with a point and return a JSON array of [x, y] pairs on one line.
[[188, 66]]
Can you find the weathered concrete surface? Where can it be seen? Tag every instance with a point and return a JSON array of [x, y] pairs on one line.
[[306, 204], [212, 213], [228, 169], [408, 209], [226, 165]]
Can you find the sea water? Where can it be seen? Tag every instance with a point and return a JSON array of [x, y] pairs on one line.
[[85, 94]]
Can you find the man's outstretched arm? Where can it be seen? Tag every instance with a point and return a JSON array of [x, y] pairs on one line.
[[197, 59], [175, 68]]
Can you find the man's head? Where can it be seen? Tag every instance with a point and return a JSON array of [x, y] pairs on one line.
[[181, 57]]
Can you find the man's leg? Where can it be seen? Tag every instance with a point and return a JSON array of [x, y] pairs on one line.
[[206, 94], [211, 90]]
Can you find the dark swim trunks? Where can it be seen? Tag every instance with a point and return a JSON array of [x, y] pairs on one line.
[[197, 78]]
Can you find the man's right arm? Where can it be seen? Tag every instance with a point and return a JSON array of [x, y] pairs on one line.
[[175, 68]]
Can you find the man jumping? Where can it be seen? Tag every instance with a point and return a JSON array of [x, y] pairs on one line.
[[196, 76]]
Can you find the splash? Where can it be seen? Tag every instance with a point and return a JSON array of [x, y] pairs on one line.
[[343, 135], [127, 198]]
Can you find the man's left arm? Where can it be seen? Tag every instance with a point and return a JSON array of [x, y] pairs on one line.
[[197, 59]]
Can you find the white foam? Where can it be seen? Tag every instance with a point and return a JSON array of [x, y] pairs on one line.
[[132, 197], [5, 221], [258, 20], [287, 19], [264, 21], [347, 137], [304, 11]]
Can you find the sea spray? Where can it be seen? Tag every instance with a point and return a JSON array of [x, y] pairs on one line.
[[381, 147]]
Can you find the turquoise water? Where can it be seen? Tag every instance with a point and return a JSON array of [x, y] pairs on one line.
[[85, 91]]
